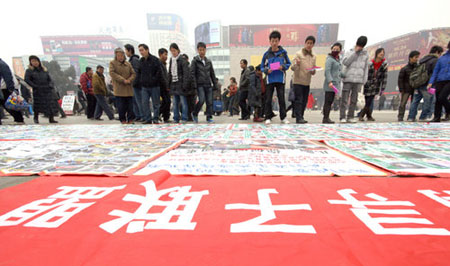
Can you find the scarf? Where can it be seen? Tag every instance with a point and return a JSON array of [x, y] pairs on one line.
[[174, 68]]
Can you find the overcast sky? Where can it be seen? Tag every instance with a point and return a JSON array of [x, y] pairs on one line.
[[23, 22]]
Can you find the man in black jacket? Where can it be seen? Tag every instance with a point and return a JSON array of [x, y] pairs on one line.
[[137, 98], [404, 87], [149, 78], [203, 75], [164, 87], [430, 61], [244, 85]]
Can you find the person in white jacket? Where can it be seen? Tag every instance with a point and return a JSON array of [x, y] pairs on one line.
[[356, 66]]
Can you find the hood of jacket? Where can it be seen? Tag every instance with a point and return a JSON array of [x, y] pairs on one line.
[[427, 58]]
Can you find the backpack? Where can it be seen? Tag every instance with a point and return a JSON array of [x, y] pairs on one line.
[[419, 76]]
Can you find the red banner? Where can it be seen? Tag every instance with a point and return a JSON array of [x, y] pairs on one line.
[[164, 220], [291, 35]]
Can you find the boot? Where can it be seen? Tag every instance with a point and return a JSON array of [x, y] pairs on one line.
[[447, 117], [327, 120], [36, 118], [52, 120], [369, 116], [362, 114]]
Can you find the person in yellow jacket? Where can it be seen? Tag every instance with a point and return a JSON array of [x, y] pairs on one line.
[[100, 92], [304, 68]]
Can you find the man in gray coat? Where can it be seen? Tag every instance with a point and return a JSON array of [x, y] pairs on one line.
[[244, 86], [356, 67]]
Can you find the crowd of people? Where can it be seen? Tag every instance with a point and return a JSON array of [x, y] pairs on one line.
[[148, 88]]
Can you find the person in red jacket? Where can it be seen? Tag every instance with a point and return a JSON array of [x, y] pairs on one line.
[[86, 86]]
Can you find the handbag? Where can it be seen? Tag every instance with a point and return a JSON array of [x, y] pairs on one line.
[[12, 103]]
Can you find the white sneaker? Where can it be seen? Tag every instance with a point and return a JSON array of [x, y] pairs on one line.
[[343, 120], [267, 122], [351, 120], [285, 121]]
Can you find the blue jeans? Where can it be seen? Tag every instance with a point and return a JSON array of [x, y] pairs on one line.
[[137, 103], [426, 108], [177, 99], [102, 106], [154, 94], [231, 103], [204, 94]]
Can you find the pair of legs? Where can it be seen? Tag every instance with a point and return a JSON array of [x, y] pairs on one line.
[[403, 101], [125, 108], [165, 104], [301, 93], [204, 95], [137, 104], [245, 110], [419, 94], [102, 106], [368, 108], [329, 99], [442, 93], [153, 94], [270, 88], [180, 101], [349, 92], [91, 105]]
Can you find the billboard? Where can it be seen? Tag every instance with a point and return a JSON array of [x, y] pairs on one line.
[[85, 45], [169, 22], [398, 49], [291, 35], [209, 33]]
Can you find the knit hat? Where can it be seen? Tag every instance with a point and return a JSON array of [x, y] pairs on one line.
[[362, 41]]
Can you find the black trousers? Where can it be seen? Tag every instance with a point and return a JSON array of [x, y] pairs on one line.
[[270, 88], [329, 98], [245, 111], [91, 104], [301, 100], [367, 110], [125, 106], [442, 93], [18, 117], [191, 105], [164, 110]]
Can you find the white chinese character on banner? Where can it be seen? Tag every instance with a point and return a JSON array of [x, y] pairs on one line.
[[374, 223], [57, 213], [267, 214], [434, 196], [182, 205]]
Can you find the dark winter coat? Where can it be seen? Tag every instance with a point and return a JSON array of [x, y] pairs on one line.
[[43, 92], [244, 83], [184, 77], [377, 80], [6, 75], [149, 72], [255, 92], [164, 77], [134, 61], [403, 78], [203, 74]]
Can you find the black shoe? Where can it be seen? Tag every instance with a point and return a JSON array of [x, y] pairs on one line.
[[155, 122], [436, 120], [53, 122], [447, 117], [147, 123], [64, 116], [371, 119], [36, 120], [327, 121], [167, 121], [301, 121], [243, 118]]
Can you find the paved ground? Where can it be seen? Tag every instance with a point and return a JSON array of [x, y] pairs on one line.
[[311, 116]]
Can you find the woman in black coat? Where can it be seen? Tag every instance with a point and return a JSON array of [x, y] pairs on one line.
[[39, 79]]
